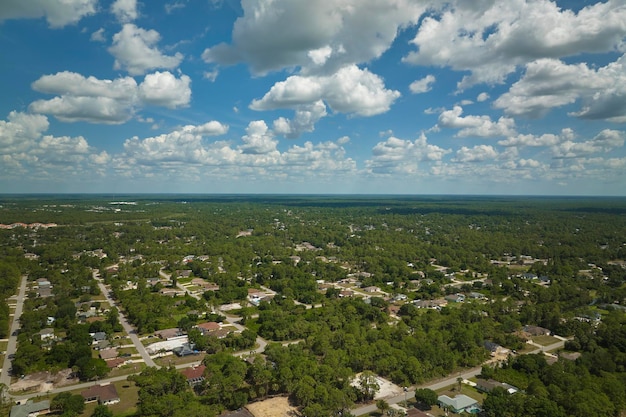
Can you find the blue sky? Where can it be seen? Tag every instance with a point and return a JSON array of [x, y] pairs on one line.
[[313, 96]]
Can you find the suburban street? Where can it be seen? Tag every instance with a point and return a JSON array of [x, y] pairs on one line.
[[127, 327], [5, 378], [448, 381]]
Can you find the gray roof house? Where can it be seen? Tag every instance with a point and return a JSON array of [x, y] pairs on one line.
[[459, 404], [30, 409]]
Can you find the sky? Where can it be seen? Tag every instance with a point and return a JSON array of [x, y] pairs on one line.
[[516, 97]]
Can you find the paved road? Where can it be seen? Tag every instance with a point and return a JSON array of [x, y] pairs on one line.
[[5, 378], [127, 327], [448, 381]]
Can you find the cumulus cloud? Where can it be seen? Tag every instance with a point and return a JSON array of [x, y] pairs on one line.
[[304, 120], [422, 86], [258, 139], [547, 139], [482, 97], [550, 83], [98, 36], [478, 153], [135, 50], [255, 154], [350, 90], [93, 100], [164, 89], [25, 149], [603, 142], [315, 35], [58, 13], [481, 126], [20, 131], [125, 10], [396, 155], [490, 39]]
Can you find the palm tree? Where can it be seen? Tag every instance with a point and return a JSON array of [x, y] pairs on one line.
[[383, 406]]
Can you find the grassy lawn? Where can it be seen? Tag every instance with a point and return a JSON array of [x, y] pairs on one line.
[[176, 360], [3, 346], [545, 340], [128, 400]]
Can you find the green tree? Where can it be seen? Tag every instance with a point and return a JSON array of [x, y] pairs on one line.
[[102, 411], [426, 397], [67, 404]]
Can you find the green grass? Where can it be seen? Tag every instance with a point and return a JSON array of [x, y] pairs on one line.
[[545, 340]]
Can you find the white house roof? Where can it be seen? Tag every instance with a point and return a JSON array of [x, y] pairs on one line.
[[459, 402]]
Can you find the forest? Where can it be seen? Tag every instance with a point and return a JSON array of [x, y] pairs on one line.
[[303, 249]]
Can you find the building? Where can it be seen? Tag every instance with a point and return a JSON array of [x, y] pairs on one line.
[[105, 394], [536, 330], [208, 327], [30, 409], [194, 375], [459, 404], [488, 385]]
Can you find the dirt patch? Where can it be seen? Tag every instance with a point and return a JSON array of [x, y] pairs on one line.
[[44, 381], [273, 407]]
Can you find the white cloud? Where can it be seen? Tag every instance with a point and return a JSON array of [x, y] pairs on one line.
[[478, 153], [88, 109], [58, 13], [313, 34], [422, 86], [93, 100], [547, 139], [170, 7], [135, 50], [549, 83], [254, 157], [605, 141], [350, 90], [164, 89], [481, 126], [125, 10], [258, 139], [21, 131], [482, 97], [210, 75], [24, 150], [396, 155], [490, 39], [98, 36], [212, 128], [304, 120]]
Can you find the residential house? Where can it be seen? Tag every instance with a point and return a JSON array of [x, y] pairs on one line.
[[346, 293], [30, 409], [167, 334], [185, 350], [536, 330], [105, 394], [488, 385], [194, 375], [115, 362], [455, 298], [182, 273], [459, 404], [371, 289], [208, 327], [171, 292], [98, 337], [46, 334], [108, 353]]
